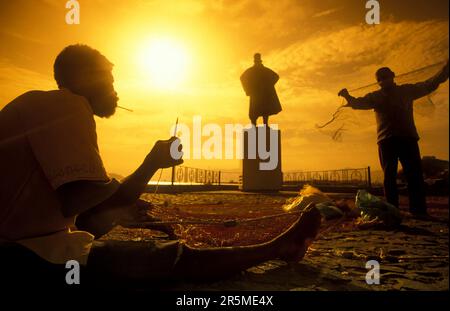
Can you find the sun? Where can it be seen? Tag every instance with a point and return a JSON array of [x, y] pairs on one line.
[[164, 62]]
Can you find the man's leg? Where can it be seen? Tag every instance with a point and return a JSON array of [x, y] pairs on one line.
[[412, 166], [387, 151], [129, 260], [266, 120]]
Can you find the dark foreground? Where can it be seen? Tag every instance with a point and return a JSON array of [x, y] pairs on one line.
[[413, 256]]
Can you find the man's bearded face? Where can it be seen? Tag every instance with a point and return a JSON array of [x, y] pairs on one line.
[[98, 88]]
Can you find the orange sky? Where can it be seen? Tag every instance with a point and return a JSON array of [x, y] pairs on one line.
[[317, 47]]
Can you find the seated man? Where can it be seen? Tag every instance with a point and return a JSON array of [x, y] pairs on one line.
[[53, 181]]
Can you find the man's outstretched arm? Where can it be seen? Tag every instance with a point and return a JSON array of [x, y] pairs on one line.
[[363, 103], [424, 88]]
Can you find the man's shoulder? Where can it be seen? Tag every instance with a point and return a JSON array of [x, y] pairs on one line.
[[62, 97], [50, 102], [35, 108], [70, 100], [375, 95], [406, 86], [20, 100]]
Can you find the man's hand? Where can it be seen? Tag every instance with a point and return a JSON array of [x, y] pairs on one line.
[[166, 153], [344, 93]]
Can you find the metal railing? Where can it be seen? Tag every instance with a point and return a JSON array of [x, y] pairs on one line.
[[192, 175], [353, 176]]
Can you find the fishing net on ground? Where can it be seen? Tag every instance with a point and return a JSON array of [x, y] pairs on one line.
[[345, 119]]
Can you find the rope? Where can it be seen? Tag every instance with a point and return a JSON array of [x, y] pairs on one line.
[[173, 167], [401, 75], [230, 222], [157, 183], [335, 115], [226, 223], [340, 110]]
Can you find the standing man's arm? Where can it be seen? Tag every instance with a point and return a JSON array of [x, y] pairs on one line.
[[424, 88], [362, 103]]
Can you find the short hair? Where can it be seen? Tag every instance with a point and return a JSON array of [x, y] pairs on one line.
[[257, 57], [75, 59], [384, 70]]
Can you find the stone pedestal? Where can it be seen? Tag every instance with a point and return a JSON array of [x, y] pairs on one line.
[[260, 171]]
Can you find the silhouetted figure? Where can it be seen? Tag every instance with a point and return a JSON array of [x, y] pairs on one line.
[[53, 180], [397, 134], [259, 83]]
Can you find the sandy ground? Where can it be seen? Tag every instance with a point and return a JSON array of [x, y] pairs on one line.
[[413, 256]]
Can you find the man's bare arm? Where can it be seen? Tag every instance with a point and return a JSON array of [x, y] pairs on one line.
[[361, 103], [424, 88], [81, 196]]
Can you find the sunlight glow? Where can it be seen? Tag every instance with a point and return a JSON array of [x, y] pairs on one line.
[[164, 62]]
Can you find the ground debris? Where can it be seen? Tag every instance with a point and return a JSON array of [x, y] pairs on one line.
[[413, 256]]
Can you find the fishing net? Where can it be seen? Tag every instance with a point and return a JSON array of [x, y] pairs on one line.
[[345, 119]]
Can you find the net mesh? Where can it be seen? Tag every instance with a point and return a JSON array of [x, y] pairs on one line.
[[345, 119]]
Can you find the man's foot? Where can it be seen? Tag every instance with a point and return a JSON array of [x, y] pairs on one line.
[[295, 241]]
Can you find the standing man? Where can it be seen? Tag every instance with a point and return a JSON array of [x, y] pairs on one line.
[[397, 134], [259, 83]]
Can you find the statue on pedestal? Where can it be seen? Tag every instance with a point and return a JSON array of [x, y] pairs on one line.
[[259, 82]]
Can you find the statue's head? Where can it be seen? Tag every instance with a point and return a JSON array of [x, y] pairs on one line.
[[257, 58]]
